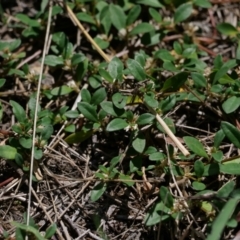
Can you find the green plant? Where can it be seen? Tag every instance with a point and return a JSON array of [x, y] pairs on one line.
[[32, 231], [127, 97]]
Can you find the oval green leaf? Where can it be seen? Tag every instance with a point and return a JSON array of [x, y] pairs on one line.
[[115, 68], [195, 146], [166, 196], [182, 12], [226, 189], [227, 29], [136, 69], [18, 111], [145, 118], [142, 28], [175, 82], [98, 191], [116, 124], [63, 90], [118, 17], [199, 168], [52, 60], [139, 143], [231, 104], [232, 133], [88, 111], [98, 96], [8, 152]]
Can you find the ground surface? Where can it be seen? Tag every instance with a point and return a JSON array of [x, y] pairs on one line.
[[63, 191]]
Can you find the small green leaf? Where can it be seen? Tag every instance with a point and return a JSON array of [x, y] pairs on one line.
[[9, 45], [50, 231], [155, 15], [126, 179], [231, 132], [67, 52], [198, 186], [224, 69], [70, 128], [157, 156], [71, 114], [27, 20], [135, 163], [166, 196], [149, 99], [18, 111], [164, 55], [151, 3], [109, 108], [16, 72], [218, 138], [211, 169], [25, 142], [98, 96], [218, 156], [101, 43], [44, 4], [227, 29], [115, 68], [114, 162], [60, 39], [116, 124], [231, 104], [177, 47], [202, 3], [199, 80], [199, 168], [136, 69], [59, 91], [85, 17], [98, 191], [86, 95], [226, 189], [77, 58], [46, 131], [133, 14], [105, 19], [53, 61], [142, 28], [8, 152], [2, 82], [32, 104], [230, 168], [88, 111], [38, 153], [78, 137], [81, 70], [119, 100], [139, 143], [104, 74], [168, 103], [145, 118], [195, 146], [183, 12], [175, 82], [117, 16], [155, 215]]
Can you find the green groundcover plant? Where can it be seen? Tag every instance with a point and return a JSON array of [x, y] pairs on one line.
[[124, 97]]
